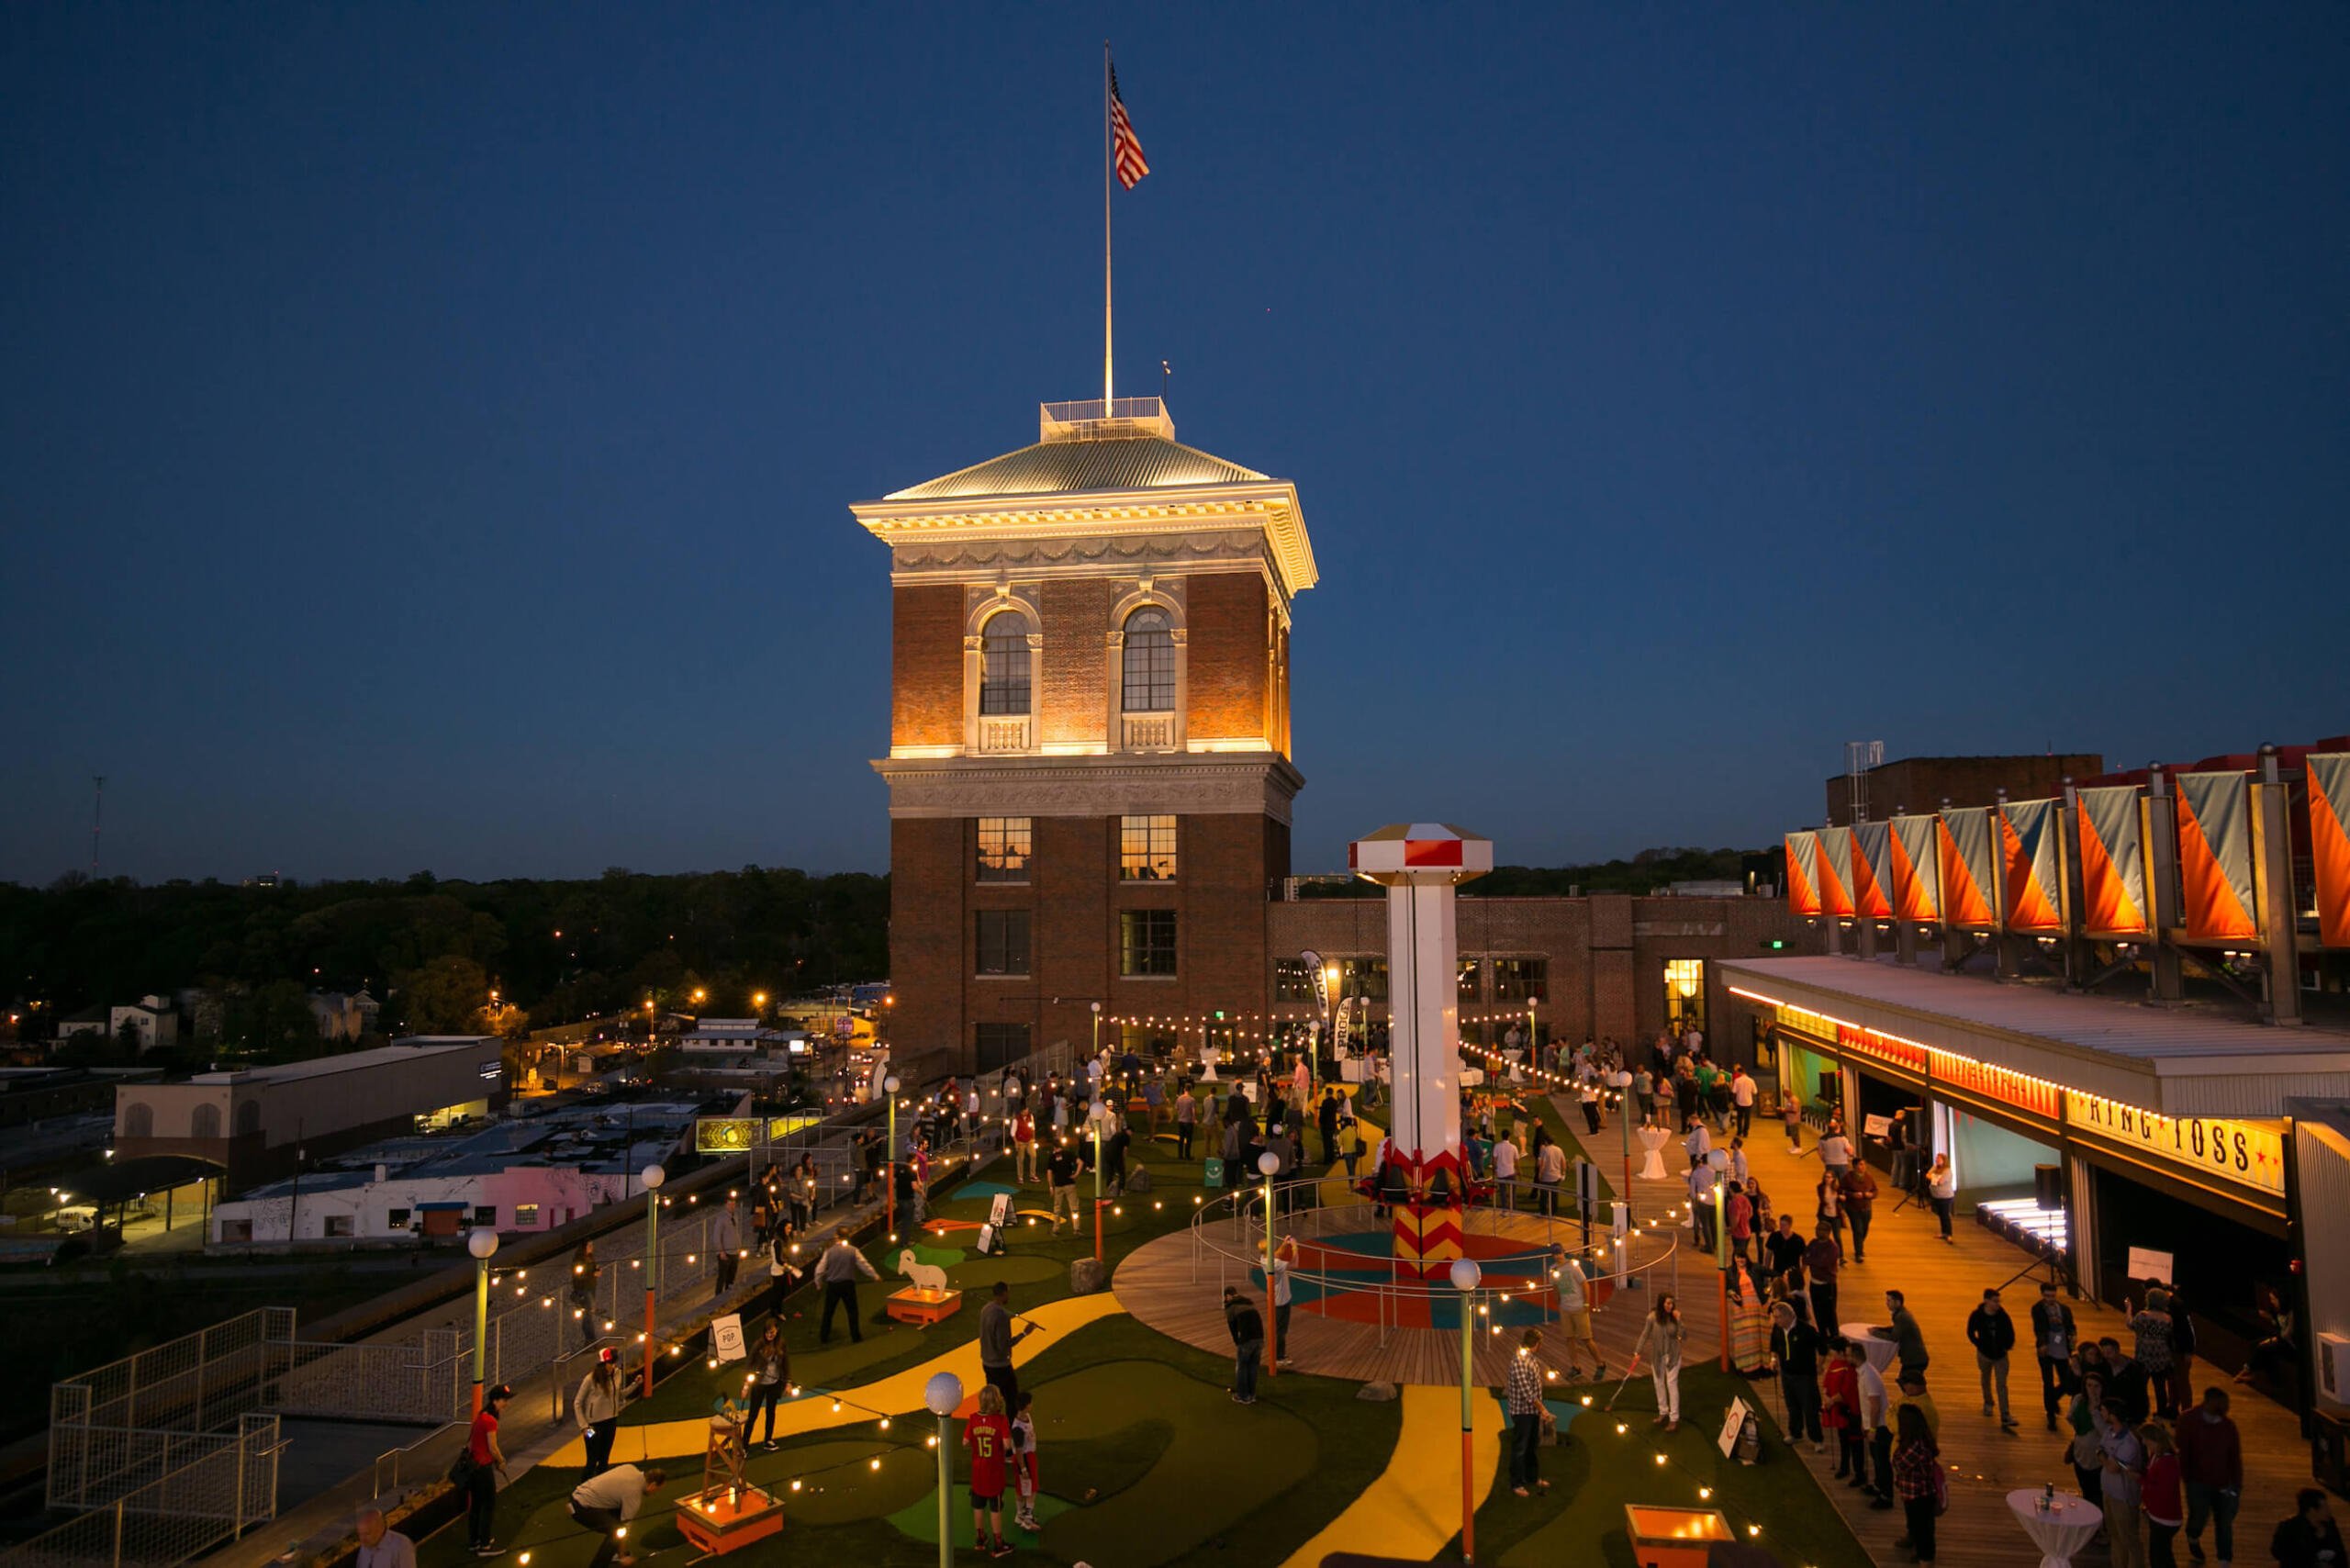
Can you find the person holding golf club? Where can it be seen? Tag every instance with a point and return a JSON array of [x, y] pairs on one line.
[[1661, 1330]]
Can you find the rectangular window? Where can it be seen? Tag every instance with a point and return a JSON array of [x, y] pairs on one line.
[[526, 1216], [485, 1213], [1146, 942], [1521, 979], [1004, 941], [1684, 993], [341, 1225], [1364, 979], [1471, 987], [999, 1045], [1146, 849], [396, 1219], [1292, 981], [1003, 849]]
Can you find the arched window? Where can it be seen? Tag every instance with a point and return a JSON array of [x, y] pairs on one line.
[[1003, 664], [138, 1120], [1150, 673], [204, 1121]]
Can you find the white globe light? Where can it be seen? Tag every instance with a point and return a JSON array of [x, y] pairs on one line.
[[889, 1084], [943, 1395], [1098, 1112], [1097, 1007], [1268, 1162], [1465, 1274], [482, 1243], [652, 1176], [1620, 1080]]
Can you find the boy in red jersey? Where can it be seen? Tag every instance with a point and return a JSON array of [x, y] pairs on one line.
[[988, 1437]]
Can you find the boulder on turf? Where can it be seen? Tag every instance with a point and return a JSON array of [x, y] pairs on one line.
[[1138, 1178], [1377, 1392], [1086, 1275]]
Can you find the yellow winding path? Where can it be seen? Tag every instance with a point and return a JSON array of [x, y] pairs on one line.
[[899, 1394], [1415, 1506]]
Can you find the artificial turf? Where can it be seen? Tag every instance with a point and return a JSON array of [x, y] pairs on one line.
[[1145, 1458]]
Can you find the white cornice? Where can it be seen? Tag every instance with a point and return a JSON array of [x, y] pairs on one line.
[[1271, 505]]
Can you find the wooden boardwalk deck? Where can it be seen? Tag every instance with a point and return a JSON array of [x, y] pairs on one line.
[[1176, 1286]]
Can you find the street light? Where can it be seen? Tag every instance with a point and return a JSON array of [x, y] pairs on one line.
[[1270, 1164], [481, 1244], [1621, 1081], [1465, 1275], [943, 1396], [890, 1174], [651, 1176], [1099, 1115]]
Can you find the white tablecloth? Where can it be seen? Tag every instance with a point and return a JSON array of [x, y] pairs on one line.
[[1653, 1139], [1878, 1351], [2068, 1526]]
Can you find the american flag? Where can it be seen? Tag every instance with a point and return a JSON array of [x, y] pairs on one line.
[[1125, 153]]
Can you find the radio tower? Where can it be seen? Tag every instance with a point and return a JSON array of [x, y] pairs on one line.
[[97, 817]]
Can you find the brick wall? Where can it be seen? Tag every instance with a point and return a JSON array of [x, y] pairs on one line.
[[1073, 897], [1605, 954], [1920, 784], [1075, 673], [1225, 659], [927, 666], [928, 905]]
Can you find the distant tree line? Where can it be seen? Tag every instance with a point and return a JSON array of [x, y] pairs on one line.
[[441, 957]]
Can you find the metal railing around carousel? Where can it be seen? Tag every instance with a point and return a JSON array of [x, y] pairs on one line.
[[1231, 1232]]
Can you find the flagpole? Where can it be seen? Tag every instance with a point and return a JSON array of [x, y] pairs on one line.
[[1108, 157]]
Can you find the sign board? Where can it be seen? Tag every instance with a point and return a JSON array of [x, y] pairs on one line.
[[2148, 1264], [2250, 1154], [999, 1212], [1211, 1171], [1472, 1078], [726, 1134], [986, 1241], [1876, 1127], [1343, 1028], [1314, 967], [1734, 1421], [726, 1337]]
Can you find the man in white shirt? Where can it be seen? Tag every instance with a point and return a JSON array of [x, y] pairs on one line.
[[1741, 1098], [1505, 1172], [1699, 1143], [606, 1503], [1876, 1424]]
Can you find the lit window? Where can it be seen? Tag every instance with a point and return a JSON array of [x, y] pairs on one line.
[[1002, 942], [1470, 987], [1146, 942], [1146, 849], [1004, 665], [1292, 981], [1363, 978], [526, 1215], [1003, 849], [1521, 979], [1149, 667], [1684, 993]]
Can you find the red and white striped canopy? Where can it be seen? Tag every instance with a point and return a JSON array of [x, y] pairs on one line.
[[1409, 848]]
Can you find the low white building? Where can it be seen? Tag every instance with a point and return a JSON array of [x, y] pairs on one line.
[[529, 1173]]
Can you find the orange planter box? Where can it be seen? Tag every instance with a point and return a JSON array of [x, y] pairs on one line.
[[728, 1519], [1674, 1537], [923, 1307]]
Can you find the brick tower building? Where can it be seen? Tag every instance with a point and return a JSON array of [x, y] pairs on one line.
[[1088, 770]]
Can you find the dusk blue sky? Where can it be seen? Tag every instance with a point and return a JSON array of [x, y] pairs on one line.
[[427, 431]]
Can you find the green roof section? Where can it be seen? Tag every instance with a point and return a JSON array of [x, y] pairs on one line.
[[1071, 467]]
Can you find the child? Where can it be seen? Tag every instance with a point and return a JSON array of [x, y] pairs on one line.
[[1024, 1462], [988, 1437]]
